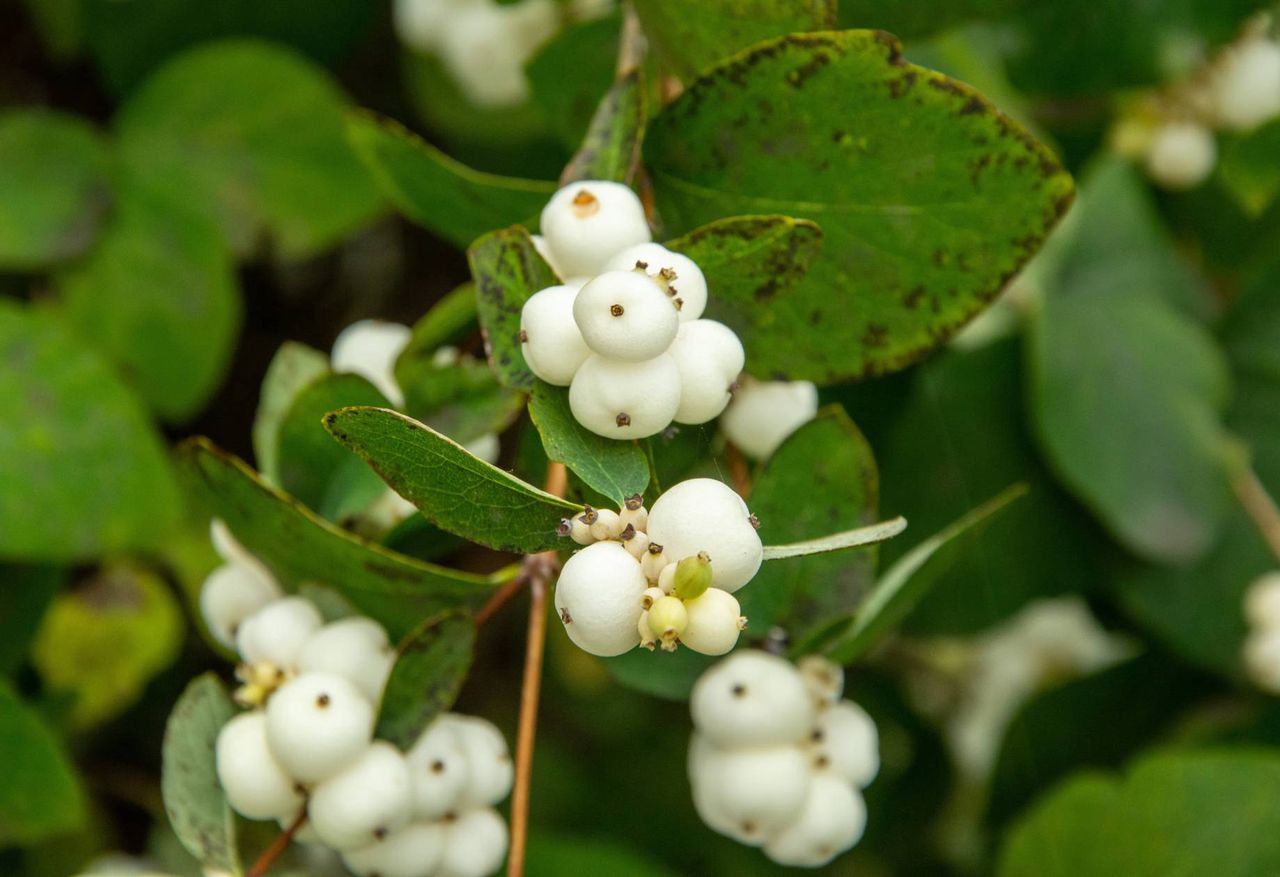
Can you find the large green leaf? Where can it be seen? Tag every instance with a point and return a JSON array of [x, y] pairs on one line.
[[193, 799], [300, 547], [908, 19], [25, 594], [54, 187], [1251, 338], [507, 270], [431, 665], [448, 319], [452, 488], [1190, 813], [82, 471], [612, 468], [40, 796], [437, 192], [252, 135], [159, 296], [929, 199], [690, 37], [292, 368], [571, 72], [1249, 169], [611, 149], [667, 675], [459, 397]]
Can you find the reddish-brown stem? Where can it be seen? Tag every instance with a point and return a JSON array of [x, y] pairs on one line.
[[499, 599], [739, 470], [278, 846], [1260, 507]]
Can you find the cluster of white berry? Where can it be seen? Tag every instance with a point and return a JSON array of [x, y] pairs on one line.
[[764, 413], [1262, 646], [306, 741], [624, 331], [1236, 91], [778, 759], [660, 577]]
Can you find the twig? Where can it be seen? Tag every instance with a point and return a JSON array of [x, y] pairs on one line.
[[278, 846], [1259, 506], [739, 470], [631, 43]]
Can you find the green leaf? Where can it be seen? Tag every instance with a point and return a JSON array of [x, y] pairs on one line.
[[669, 675], [193, 798], [612, 468], [54, 187], [82, 471], [902, 586], [611, 150], [437, 192], [251, 134], [431, 665], [571, 72], [292, 368], [448, 318], [1251, 338], [755, 268], [40, 796], [861, 537], [298, 546], [1209, 812], [455, 490], [929, 199], [507, 270], [1249, 169], [24, 598], [822, 478], [159, 295], [689, 38], [461, 399], [1127, 393], [908, 19]]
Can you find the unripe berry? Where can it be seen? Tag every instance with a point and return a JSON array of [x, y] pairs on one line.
[[489, 769], [831, 821], [647, 639], [845, 742], [702, 514], [476, 845], [824, 678], [692, 576], [317, 724], [414, 850], [598, 597], [1246, 84], [577, 528], [369, 348], [634, 513], [715, 621], [587, 222], [622, 400], [232, 593], [365, 802], [668, 619], [607, 525], [256, 786], [1182, 155], [1262, 659], [752, 699], [438, 771], [683, 277], [710, 358], [276, 633], [754, 792], [625, 315], [651, 595], [763, 413], [549, 338], [1262, 602]]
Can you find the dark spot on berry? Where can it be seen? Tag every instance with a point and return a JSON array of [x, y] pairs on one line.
[[380, 832], [616, 310], [449, 817], [623, 419], [524, 336], [748, 827], [655, 548], [822, 762], [633, 502], [322, 700], [565, 617], [816, 736], [437, 766], [738, 690]]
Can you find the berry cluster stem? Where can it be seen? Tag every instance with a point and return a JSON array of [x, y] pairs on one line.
[[1259, 505], [739, 470], [278, 846]]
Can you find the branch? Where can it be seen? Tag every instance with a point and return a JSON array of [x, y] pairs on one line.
[[1259, 506], [739, 470], [278, 846]]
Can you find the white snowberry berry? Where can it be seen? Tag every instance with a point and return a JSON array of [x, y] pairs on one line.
[[586, 223], [654, 562], [483, 58], [754, 792], [845, 741], [276, 633], [475, 846], [356, 648], [1262, 659], [625, 315], [257, 787], [1181, 155], [364, 802], [831, 821], [232, 593], [369, 348], [414, 850], [710, 358], [752, 699], [763, 413], [677, 270], [489, 769], [598, 598], [607, 525], [1262, 601], [550, 340], [317, 724], [622, 400], [1246, 84], [636, 543], [634, 513], [438, 770], [702, 514], [714, 623]]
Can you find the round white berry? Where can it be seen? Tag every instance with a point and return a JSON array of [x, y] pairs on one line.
[[622, 400], [257, 787], [599, 596], [1262, 659], [365, 801], [685, 277], [710, 358], [232, 593], [489, 769], [356, 648], [276, 633], [608, 525], [763, 413], [475, 846], [1262, 601], [702, 514], [831, 821], [845, 741], [634, 513], [637, 544], [626, 315], [714, 622], [482, 56], [413, 850], [438, 770], [551, 343], [369, 348], [317, 724], [668, 619], [752, 698], [586, 223], [487, 448], [1246, 84], [420, 23], [755, 792], [1182, 155], [667, 578]]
